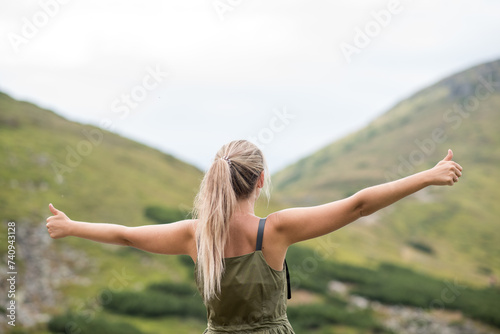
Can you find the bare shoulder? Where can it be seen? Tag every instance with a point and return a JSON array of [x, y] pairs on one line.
[[273, 220], [274, 228], [279, 221], [190, 225]]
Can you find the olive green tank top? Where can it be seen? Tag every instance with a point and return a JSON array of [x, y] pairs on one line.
[[252, 298]]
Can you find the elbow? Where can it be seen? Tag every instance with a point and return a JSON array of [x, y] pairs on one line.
[[360, 206], [126, 237], [364, 212], [365, 209]]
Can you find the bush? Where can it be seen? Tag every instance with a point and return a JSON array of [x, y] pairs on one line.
[[481, 304], [176, 289], [420, 246], [313, 316], [70, 323], [158, 300], [165, 215]]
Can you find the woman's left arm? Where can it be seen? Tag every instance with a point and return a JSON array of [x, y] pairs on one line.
[[372, 199], [298, 224]]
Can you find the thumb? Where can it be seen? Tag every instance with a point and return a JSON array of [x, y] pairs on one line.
[[53, 210], [449, 156]]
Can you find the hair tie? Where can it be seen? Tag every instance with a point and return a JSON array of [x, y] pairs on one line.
[[227, 159]]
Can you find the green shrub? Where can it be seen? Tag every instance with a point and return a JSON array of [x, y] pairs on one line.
[[158, 300], [481, 304], [70, 323], [176, 289], [421, 246], [165, 215], [313, 316]]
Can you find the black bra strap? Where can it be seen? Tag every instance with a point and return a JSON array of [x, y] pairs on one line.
[[288, 282], [260, 235]]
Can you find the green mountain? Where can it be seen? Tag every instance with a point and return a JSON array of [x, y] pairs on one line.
[[92, 175], [48, 158], [447, 232]]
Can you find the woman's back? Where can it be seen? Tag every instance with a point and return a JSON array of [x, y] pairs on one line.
[[253, 295], [242, 239]]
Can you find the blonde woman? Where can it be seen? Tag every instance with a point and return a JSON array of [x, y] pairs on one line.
[[240, 258]]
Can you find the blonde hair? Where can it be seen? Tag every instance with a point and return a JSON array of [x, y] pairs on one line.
[[232, 177]]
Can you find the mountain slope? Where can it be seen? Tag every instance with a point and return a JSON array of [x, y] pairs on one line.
[[92, 175], [49, 158], [452, 232]]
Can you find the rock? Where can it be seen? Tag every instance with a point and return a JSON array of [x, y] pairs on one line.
[[41, 270], [338, 287]]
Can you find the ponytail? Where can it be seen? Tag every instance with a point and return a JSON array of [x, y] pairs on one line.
[[232, 176], [215, 205]]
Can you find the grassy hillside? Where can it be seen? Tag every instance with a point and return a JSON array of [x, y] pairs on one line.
[[47, 157], [447, 232], [99, 177]]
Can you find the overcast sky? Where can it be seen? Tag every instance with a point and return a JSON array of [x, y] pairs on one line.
[[188, 76]]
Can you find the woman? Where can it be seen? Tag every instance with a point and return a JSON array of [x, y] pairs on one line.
[[240, 270]]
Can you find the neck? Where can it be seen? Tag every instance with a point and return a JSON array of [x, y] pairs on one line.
[[245, 207]]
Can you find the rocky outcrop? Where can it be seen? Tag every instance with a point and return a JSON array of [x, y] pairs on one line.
[[42, 267]]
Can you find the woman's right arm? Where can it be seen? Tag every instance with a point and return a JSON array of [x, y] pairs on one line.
[[59, 226], [173, 238], [298, 224]]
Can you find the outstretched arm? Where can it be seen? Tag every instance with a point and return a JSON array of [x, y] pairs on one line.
[[299, 224], [175, 238], [372, 199]]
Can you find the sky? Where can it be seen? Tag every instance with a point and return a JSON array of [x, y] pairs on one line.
[[187, 77]]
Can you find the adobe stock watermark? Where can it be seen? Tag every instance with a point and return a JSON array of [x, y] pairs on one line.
[[222, 7], [130, 100], [31, 26], [122, 107], [454, 117], [277, 123], [363, 36], [448, 295]]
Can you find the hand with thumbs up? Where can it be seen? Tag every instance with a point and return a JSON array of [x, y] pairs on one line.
[[59, 224], [446, 172]]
